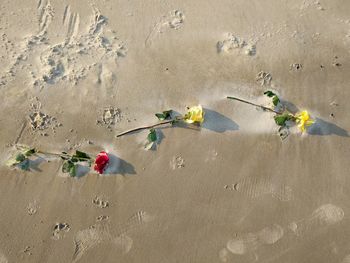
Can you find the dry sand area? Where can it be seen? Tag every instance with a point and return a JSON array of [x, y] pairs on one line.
[[74, 74]]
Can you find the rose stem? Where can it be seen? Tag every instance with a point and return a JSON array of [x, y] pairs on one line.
[[60, 155], [147, 127], [257, 105]]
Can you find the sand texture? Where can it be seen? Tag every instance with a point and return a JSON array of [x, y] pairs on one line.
[[74, 74]]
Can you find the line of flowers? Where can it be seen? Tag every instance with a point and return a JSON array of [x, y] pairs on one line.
[[194, 116]]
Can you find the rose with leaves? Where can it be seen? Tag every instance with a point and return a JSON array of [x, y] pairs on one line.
[[21, 159], [283, 118], [194, 115]]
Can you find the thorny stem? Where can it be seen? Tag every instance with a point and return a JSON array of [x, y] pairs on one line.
[[149, 126], [257, 105]]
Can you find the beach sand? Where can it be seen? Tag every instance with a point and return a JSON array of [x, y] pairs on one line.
[[74, 74]]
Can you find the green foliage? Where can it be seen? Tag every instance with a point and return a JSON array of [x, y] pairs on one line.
[[152, 136], [275, 98], [283, 118], [269, 93], [69, 167], [70, 163], [81, 155], [165, 115], [20, 158], [151, 139]]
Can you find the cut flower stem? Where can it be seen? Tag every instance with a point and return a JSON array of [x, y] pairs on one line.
[[253, 104], [149, 126]]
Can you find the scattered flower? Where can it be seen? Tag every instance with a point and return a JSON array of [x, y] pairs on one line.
[[283, 117], [101, 162], [195, 114], [303, 120], [21, 159]]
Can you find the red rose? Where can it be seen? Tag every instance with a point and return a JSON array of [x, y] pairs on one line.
[[101, 162]]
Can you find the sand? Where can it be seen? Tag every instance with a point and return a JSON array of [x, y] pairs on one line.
[[74, 74]]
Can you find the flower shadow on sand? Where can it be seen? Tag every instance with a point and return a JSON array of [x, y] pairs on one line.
[[217, 122], [320, 127], [117, 166]]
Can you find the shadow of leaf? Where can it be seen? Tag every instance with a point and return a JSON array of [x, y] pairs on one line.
[[321, 127], [34, 164], [160, 137], [218, 122], [82, 170], [31, 165], [118, 166]]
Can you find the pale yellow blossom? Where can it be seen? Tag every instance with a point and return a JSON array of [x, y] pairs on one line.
[[195, 114]]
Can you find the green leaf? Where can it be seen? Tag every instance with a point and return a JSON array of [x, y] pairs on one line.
[[80, 154], [160, 116], [73, 170], [164, 115], [20, 157], [269, 93], [152, 136], [275, 100], [151, 139], [19, 160], [30, 152], [283, 118], [67, 166]]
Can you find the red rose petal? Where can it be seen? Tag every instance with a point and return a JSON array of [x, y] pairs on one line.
[[101, 162]]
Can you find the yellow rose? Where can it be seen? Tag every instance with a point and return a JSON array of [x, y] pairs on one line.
[[303, 120], [195, 114]]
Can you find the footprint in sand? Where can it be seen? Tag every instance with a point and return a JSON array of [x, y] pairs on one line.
[[104, 232], [59, 230], [39, 120], [345, 260], [233, 43], [3, 259], [72, 58], [249, 243], [173, 20], [109, 116], [107, 80], [45, 15], [264, 78], [325, 215], [257, 187], [32, 208], [100, 202], [177, 162]]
